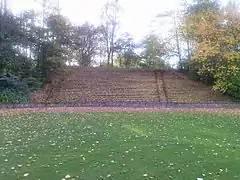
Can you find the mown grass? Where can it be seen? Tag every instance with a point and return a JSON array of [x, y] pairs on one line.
[[133, 146]]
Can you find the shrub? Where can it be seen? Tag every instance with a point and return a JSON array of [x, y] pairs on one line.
[[12, 96], [234, 86], [33, 83], [13, 82], [193, 76], [13, 90]]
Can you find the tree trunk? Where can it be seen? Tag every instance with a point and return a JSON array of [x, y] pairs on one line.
[[2, 24], [112, 57], [112, 42], [188, 50], [177, 41], [108, 58], [120, 62], [108, 51]]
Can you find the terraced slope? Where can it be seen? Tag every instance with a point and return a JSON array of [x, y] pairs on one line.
[[180, 89], [100, 84], [123, 85]]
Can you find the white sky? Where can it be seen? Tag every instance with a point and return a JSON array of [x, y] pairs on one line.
[[137, 16]]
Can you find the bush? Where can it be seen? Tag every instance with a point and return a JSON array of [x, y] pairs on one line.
[[193, 76], [13, 90], [13, 82], [12, 96], [234, 86], [33, 83]]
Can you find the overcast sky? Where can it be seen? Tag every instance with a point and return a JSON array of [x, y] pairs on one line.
[[137, 16]]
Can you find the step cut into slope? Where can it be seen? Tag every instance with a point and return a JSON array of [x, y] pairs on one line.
[[180, 88], [123, 85]]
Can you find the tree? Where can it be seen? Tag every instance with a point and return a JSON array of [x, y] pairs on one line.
[[24, 43], [201, 6], [109, 27], [190, 20], [86, 42], [125, 47], [216, 54], [154, 50], [176, 33], [13, 37]]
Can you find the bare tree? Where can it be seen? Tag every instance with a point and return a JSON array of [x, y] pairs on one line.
[[174, 16], [109, 26]]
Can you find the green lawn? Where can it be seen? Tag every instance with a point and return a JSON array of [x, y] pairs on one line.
[[134, 146]]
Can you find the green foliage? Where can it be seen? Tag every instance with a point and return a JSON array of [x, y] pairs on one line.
[[31, 52], [13, 90], [234, 86], [154, 50], [125, 47], [13, 96], [154, 64], [214, 32], [34, 83], [203, 6], [143, 64], [48, 60], [86, 39], [13, 82], [193, 76], [11, 35]]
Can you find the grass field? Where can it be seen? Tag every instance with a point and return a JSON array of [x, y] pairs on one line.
[[91, 146]]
